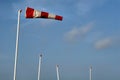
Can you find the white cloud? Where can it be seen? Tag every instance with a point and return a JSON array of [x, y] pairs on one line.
[[78, 32], [104, 43], [113, 41]]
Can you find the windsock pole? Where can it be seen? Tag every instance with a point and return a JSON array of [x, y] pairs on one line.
[[39, 66], [16, 50], [90, 72], [57, 69]]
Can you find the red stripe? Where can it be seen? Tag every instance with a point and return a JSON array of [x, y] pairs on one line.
[[58, 17], [44, 15], [29, 12]]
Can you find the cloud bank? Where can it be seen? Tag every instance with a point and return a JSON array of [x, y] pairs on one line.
[[78, 32], [107, 43], [103, 43]]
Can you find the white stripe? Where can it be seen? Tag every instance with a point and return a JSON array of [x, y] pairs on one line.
[[36, 14], [51, 16]]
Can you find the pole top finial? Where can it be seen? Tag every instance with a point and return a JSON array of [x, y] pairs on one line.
[[57, 65], [40, 55], [90, 67], [20, 10]]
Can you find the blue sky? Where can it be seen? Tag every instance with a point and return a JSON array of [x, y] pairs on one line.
[[88, 35]]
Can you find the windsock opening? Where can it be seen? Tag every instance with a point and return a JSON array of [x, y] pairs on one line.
[[29, 12]]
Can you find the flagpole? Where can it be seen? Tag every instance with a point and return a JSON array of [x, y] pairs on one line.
[[90, 72], [39, 66], [16, 50], [57, 69]]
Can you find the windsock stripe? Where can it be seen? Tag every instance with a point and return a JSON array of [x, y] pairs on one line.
[[29, 13], [44, 15], [58, 17], [51, 16], [36, 14]]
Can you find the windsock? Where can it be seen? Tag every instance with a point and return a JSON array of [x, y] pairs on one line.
[[32, 13]]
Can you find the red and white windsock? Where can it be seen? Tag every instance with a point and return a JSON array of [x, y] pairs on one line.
[[32, 13]]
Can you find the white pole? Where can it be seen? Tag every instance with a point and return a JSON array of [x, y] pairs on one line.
[[39, 66], [16, 50], [91, 73], [58, 75]]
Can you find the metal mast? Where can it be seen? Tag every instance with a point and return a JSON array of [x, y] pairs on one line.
[[16, 50], [39, 66]]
